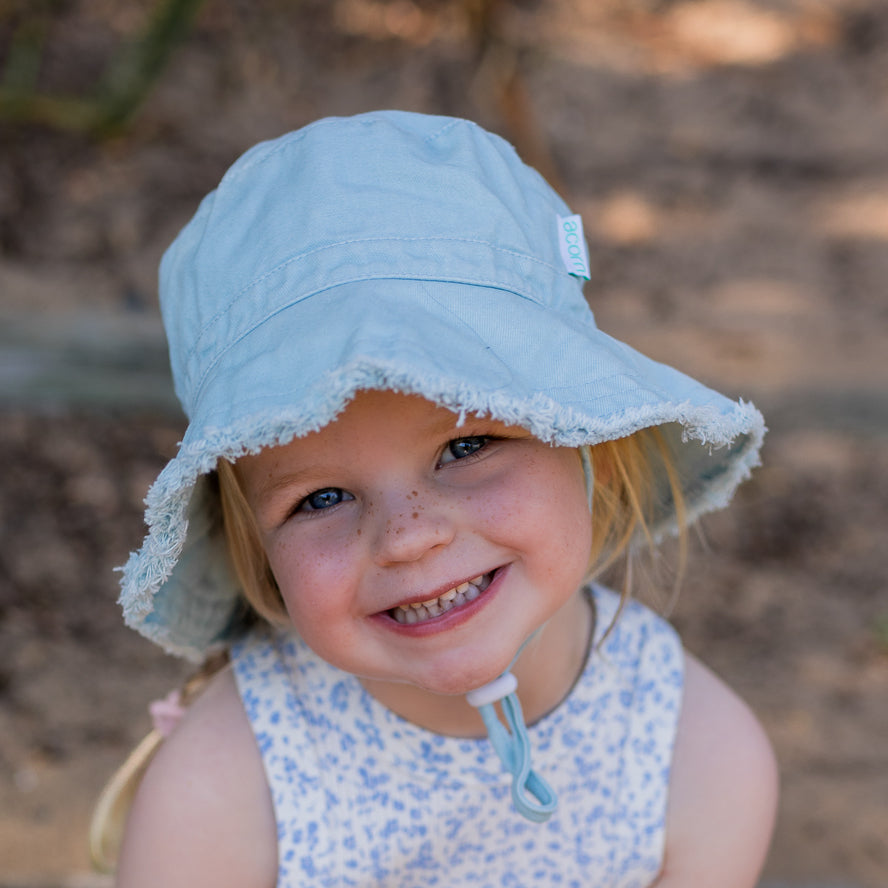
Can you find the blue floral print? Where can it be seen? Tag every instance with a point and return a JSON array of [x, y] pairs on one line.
[[363, 797]]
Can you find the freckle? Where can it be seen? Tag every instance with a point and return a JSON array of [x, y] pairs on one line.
[[415, 515]]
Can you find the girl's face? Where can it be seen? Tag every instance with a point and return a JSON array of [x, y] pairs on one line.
[[408, 549]]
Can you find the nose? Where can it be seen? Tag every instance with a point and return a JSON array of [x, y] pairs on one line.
[[409, 524]]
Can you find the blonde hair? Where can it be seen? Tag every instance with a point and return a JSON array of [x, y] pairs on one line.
[[636, 479], [627, 493]]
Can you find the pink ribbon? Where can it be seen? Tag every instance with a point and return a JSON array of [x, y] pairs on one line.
[[167, 713]]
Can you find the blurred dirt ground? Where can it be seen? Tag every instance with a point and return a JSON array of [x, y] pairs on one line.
[[730, 159]]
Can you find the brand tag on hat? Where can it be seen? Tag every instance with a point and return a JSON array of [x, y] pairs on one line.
[[573, 246]]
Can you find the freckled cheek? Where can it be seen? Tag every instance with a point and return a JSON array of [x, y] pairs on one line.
[[550, 507], [547, 494], [309, 576], [499, 508]]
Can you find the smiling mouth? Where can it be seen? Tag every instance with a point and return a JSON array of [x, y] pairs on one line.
[[434, 607]]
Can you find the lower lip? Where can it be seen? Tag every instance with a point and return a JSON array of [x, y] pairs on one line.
[[454, 617]]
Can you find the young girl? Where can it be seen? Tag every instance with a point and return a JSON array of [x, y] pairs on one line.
[[409, 448]]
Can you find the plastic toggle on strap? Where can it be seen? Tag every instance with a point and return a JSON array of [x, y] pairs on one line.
[[531, 795]]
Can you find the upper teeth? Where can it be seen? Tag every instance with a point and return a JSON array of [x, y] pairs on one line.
[[434, 607]]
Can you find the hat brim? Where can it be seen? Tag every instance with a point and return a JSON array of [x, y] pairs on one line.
[[568, 383]]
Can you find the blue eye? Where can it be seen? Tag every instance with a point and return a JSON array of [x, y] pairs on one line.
[[460, 448], [323, 499]]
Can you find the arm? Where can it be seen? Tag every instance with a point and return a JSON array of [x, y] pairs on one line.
[[203, 814], [722, 792]]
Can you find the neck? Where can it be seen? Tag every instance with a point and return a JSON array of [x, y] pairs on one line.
[[546, 670]]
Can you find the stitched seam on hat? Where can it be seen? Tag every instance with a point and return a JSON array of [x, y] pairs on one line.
[[330, 285], [293, 259], [448, 126]]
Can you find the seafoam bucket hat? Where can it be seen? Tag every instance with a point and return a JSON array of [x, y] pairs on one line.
[[388, 251]]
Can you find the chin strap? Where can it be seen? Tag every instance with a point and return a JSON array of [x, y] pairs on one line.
[[531, 795]]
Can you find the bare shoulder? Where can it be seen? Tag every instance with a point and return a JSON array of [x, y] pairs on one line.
[[723, 789], [203, 813]]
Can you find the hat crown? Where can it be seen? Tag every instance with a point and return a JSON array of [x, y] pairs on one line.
[[388, 195]]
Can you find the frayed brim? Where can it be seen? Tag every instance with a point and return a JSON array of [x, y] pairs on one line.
[[568, 383]]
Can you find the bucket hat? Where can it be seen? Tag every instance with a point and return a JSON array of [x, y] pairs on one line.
[[396, 251]]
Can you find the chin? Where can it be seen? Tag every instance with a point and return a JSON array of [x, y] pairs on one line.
[[461, 681]]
